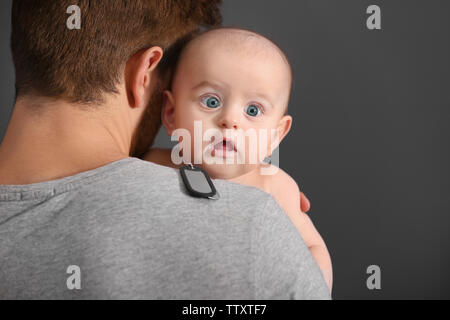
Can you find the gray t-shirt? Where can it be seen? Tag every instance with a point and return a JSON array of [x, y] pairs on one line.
[[129, 230]]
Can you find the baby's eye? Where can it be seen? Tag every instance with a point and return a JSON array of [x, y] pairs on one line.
[[211, 102], [253, 110]]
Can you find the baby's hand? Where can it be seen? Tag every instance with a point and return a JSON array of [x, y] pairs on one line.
[[305, 205]]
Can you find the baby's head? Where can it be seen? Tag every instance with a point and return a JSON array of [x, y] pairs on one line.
[[235, 82]]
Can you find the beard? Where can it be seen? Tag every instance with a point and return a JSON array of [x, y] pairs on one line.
[[150, 123]]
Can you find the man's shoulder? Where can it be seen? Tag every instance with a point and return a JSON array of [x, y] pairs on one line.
[[137, 174], [148, 185]]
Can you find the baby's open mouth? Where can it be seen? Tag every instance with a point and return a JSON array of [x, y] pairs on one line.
[[223, 147]]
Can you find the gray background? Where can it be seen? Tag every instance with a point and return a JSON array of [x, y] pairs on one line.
[[370, 140]]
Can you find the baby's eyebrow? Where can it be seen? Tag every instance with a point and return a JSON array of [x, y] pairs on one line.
[[264, 97], [206, 83]]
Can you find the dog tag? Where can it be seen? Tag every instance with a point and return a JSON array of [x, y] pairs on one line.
[[198, 183]]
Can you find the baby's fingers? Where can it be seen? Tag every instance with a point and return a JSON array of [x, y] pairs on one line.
[[305, 205]]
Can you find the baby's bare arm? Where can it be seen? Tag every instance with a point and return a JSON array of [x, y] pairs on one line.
[[285, 190]]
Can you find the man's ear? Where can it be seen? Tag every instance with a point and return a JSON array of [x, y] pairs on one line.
[[283, 128], [139, 75], [168, 112]]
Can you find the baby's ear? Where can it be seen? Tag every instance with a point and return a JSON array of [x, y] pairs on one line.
[[283, 127], [168, 112]]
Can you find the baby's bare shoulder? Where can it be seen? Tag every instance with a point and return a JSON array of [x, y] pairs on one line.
[[280, 180], [284, 189]]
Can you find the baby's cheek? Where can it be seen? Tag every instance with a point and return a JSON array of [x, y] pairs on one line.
[[257, 148], [182, 120]]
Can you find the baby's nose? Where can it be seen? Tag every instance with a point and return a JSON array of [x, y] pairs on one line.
[[227, 123]]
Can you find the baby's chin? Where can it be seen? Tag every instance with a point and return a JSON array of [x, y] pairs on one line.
[[227, 171]]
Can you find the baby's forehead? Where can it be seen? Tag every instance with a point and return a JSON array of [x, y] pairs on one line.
[[237, 43], [236, 39]]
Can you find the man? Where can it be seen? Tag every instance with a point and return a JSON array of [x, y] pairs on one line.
[[81, 219]]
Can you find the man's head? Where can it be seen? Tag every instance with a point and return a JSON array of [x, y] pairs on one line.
[[234, 81], [111, 49]]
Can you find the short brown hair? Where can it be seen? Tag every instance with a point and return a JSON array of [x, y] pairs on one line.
[[81, 65]]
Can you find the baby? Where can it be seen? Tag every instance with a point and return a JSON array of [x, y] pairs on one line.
[[230, 82]]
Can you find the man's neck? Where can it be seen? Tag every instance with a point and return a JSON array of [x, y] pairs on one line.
[[47, 142]]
